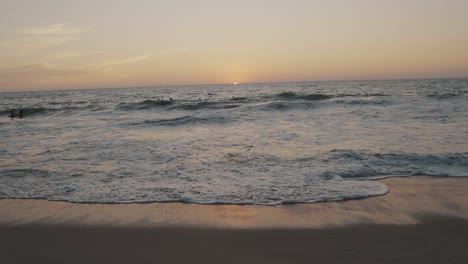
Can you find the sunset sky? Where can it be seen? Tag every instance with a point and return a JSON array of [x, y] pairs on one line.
[[66, 44]]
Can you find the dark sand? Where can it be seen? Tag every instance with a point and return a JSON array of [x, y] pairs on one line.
[[421, 220], [435, 240]]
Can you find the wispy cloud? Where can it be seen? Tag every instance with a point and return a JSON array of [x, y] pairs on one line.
[[55, 29], [175, 50], [50, 35], [69, 54], [38, 70], [125, 61]]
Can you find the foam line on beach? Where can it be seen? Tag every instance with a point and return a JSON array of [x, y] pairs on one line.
[[407, 200]]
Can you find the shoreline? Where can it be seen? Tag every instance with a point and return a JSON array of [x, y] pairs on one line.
[[421, 220], [408, 199]]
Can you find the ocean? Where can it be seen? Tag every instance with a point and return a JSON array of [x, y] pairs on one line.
[[266, 143]]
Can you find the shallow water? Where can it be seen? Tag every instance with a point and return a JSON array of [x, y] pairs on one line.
[[248, 143]]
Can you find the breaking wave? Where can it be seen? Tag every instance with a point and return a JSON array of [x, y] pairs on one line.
[[445, 95], [308, 179], [307, 97], [184, 120], [363, 164], [205, 105], [146, 104], [280, 101]]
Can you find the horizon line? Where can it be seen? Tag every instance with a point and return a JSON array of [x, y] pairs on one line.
[[238, 83]]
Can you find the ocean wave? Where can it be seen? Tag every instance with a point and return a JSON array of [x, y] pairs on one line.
[[363, 164], [444, 95], [178, 105], [29, 111], [32, 111], [319, 96], [146, 104], [377, 102], [264, 195], [205, 105], [278, 101], [184, 120], [363, 95], [312, 182], [277, 106], [45, 111], [281, 106], [307, 97], [5, 112], [20, 173], [238, 98]]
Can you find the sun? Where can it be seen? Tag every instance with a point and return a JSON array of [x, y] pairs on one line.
[[235, 83]]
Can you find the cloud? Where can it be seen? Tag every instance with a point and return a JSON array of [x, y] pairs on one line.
[[175, 50], [50, 35], [125, 61], [54, 29], [68, 54]]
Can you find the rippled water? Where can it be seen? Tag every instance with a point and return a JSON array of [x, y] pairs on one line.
[[248, 143]]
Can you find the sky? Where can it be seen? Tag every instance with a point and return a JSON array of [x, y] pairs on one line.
[[70, 44]]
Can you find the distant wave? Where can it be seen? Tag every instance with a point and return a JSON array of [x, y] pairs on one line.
[[20, 173], [184, 120], [277, 106], [285, 105], [238, 98], [318, 96], [350, 164], [31, 111], [308, 97], [444, 95], [205, 105], [48, 111], [362, 95], [392, 164], [378, 102], [227, 103], [356, 97], [146, 104], [56, 109], [177, 105], [281, 101], [5, 112]]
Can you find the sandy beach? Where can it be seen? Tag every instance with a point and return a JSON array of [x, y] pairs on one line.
[[421, 220]]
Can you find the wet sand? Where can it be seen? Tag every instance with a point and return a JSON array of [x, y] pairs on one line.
[[441, 240], [408, 199], [421, 220]]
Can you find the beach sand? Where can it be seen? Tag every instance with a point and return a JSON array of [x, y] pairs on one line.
[[421, 220]]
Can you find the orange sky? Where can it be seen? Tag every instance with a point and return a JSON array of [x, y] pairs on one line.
[[47, 44]]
